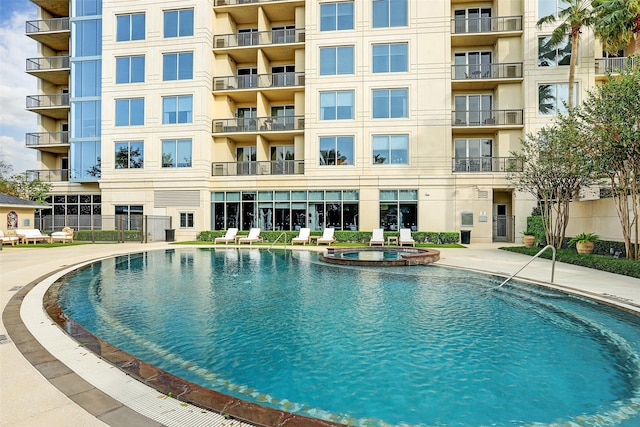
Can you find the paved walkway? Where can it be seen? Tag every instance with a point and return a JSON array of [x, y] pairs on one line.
[[36, 389]]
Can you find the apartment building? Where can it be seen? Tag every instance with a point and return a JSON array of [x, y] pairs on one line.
[[281, 114]]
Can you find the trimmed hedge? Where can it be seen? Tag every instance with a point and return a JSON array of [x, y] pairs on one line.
[[106, 235], [598, 262], [341, 236]]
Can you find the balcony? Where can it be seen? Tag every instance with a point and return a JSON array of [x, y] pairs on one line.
[[276, 167], [606, 66], [50, 32], [246, 11], [484, 30], [258, 81], [54, 106], [49, 175], [53, 142], [486, 164], [54, 69], [258, 124], [279, 45], [484, 76], [486, 119]]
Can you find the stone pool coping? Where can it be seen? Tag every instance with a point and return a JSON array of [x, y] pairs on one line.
[[409, 256]]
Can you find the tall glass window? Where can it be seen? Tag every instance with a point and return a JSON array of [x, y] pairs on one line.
[[550, 55], [337, 105], [389, 13], [398, 209], [86, 78], [86, 119], [336, 150], [550, 7], [85, 160], [130, 69], [130, 112], [336, 60], [553, 97], [390, 103], [178, 23], [177, 109], [336, 16], [129, 155], [130, 27], [390, 149], [177, 66], [87, 40], [86, 8], [176, 153], [390, 58]]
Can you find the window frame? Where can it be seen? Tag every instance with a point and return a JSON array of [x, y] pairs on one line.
[[337, 62], [335, 141], [180, 58], [131, 114], [377, 113], [130, 69], [558, 58], [178, 27], [391, 9], [187, 219], [558, 107], [390, 149], [336, 106], [388, 55], [132, 29], [177, 112], [176, 152], [335, 16], [130, 163]]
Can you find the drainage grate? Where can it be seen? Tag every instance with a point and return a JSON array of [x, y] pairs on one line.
[[15, 288], [4, 339]]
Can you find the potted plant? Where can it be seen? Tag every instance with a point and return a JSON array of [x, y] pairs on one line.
[[584, 242], [529, 238]]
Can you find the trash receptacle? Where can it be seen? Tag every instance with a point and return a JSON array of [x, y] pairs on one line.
[[170, 234], [465, 237]]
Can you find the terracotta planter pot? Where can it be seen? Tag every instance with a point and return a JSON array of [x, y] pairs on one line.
[[529, 241], [585, 248]]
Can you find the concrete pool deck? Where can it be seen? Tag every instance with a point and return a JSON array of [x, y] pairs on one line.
[[38, 389]]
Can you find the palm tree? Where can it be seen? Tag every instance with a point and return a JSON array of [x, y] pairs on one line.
[[617, 24], [576, 15]]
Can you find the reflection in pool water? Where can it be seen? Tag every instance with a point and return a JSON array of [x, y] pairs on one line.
[[365, 346]]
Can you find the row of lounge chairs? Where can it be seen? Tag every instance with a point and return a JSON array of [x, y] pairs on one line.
[[304, 237], [32, 235]]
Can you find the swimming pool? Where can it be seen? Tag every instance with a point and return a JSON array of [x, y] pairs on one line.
[[420, 346]]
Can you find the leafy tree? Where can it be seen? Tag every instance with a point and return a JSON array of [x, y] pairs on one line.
[[612, 116], [576, 14], [555, 165], [617, 24], [21, 185]]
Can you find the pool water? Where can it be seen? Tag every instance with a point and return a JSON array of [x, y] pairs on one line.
[[374, 255], [419, 346]]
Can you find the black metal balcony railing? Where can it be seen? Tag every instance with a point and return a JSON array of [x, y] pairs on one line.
[[258, 81], [275, 167], [487, 118], [258, 124], [486, 164], [511, 70], [261, 38], [47, 25], [44, 101], [47, 138], [48, 63], [614, 65], [496, 24], [49, 175]]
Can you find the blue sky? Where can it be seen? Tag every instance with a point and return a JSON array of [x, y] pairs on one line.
[[15, 84]]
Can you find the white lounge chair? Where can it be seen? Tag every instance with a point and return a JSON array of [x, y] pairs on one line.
[[66, 235], [327, 237], [9, 239], [377, 237], [405, 237], [254, 236], [230, 237], [27, 235], [303, 236]]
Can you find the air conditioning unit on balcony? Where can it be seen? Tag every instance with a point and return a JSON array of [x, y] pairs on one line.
[[221, 2], [301, 37], [220, 42], [300, 123], [218, 170], [511, 24], [511, 71], [218, 84], [217, 127], [511, 117], [301, 80]]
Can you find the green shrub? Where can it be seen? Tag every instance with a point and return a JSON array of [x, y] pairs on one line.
[[107, 235], [536, 226], [431, 237], [449, 237], [361, 237]]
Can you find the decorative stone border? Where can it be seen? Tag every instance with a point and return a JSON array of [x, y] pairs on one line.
[[409, 256]]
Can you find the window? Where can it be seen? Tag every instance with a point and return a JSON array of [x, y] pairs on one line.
[[336, 60], [130, 112], [398, 209], [466, 219], [552, 98], [472, 20], [176, 153], [178, 23], [186, 220], [550, 7], [87, 76], [85, 161], [130, 69], [177, 109], [87, 38], [336, 16], [132, 215], [390, 58], [177, 66], [336, 105], [472, 65], [390, 149], [389, 13], [473, 155], [87, 115], [336, 150], [473, 109], [550, 55], [248, 37], [390, 103], [129, 155], [130, 27]]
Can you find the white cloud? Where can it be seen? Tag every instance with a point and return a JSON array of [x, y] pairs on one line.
[[15, 85]]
